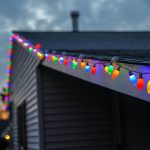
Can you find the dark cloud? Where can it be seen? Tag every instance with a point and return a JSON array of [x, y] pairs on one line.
[[55, 15]]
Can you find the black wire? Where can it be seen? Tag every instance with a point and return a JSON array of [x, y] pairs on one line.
[[101, 58], [135, 70], [105, 58]]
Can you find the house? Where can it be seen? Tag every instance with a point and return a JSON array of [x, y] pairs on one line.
[[79, 90]]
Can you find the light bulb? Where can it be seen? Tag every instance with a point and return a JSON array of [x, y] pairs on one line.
[[48, 57], [35, 51], [106, 69], [110, 69], [74, 64], [132, 78], [115, 73], [53, 58], [148, 87], [56, 59], [61, 60], [140, 82], [93, 70], [30, 49], [82, 64], [7, 137], [66, 61], [87, 68], [38, 45], [41, 56]]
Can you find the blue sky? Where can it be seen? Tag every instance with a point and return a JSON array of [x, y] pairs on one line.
[[47, 15]]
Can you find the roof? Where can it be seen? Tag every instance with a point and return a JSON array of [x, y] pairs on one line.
[[97, 43], [91, 40]]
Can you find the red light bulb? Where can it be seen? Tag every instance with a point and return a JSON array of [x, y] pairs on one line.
[[38, 46], [10, 52], [140, 82], [93, 70], [9, 67], [66, 61], [48, 57]]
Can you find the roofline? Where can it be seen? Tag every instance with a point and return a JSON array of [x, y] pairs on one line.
[[92, 31]]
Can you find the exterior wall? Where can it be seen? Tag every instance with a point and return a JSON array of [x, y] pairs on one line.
[[121, 84], [24, 88], [135, 123], [76, 114]]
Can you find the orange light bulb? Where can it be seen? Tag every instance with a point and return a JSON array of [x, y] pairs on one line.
[[115, 73], [41, 56], [82, 64]]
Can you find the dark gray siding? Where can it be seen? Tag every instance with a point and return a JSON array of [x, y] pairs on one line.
[[135, 122], [24, 88], [77, 115]]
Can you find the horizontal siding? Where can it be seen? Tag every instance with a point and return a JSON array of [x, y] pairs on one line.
[[24, 87], [15, 131], [77, 115]]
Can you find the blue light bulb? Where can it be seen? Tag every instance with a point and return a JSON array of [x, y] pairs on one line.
[[46, 55], [26, 44], [132, 78], [87, 68], [61, 60], [7, 84]]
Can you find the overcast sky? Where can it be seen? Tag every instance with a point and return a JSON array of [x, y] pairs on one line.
[[39, 15]]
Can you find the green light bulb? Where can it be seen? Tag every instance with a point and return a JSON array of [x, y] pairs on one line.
[[11, 33], [6, 102], [56, 59], [9, 63], [110, 69], [6, 90], [10, 46], [74, 65], [30, 49]]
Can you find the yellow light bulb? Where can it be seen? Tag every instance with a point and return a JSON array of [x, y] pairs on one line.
[[7, 137], [53, 58], [106, 69], [148, 87], [73, 60]]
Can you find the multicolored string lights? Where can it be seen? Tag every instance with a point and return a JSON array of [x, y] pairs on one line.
[[9, 68], [30, 48], [109, 69], [76, 61]]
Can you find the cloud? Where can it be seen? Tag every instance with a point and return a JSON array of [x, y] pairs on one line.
[[55, 15]]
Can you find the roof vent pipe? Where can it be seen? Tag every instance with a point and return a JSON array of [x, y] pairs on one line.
[[75, 16]]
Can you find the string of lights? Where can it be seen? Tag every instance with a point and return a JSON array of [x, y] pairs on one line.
[[86, 62], [8, 79], [56, 58]]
